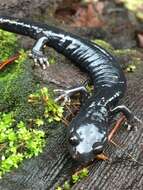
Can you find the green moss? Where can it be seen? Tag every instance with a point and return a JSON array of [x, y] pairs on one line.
[[122, 52], [8, 44], [16, 79], [80, 175], [52, 60], [19, 113], [16, 82], [75, 178], [17, 142], [104, 44]]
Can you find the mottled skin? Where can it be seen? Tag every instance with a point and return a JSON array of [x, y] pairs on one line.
[[87, 133]]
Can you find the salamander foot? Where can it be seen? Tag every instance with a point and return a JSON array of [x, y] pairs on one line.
[[131, 118], [39, 59], [66, 94]]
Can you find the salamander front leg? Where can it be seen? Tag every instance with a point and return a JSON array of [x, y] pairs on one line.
[[37, 53], [127, 113], [66, 94]]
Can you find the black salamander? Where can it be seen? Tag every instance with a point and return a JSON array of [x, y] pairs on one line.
[[87, 133]]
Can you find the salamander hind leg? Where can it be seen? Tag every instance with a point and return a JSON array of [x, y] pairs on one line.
[[37, 53]]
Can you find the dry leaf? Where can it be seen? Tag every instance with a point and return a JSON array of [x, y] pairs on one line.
[[99, 7], [87, 17], [140, 40]]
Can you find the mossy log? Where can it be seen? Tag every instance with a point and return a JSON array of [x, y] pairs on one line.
[[54, 166]]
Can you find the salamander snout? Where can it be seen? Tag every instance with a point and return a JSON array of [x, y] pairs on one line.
[[86, 142]]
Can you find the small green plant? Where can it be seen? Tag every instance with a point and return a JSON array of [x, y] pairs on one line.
[[17, 142], [52, 111], [67, 185], [59, 188], [52, 60], [80, 175], [39, 122]]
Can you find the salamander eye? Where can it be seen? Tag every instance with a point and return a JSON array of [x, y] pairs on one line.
[[97, 148], [74, 140]]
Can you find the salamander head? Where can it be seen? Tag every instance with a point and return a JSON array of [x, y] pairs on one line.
[[87, 141]]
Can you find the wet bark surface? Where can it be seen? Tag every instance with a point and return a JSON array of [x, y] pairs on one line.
[[54, 166]]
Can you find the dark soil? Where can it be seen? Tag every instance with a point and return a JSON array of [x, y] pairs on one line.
[[54, 165]]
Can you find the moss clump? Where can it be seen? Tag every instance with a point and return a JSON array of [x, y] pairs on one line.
[[52, 60], [16, 79], [104, 44], [78, 176], [17, 142], [75, 178], [16, 82], [19, 112], [8, 44]]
